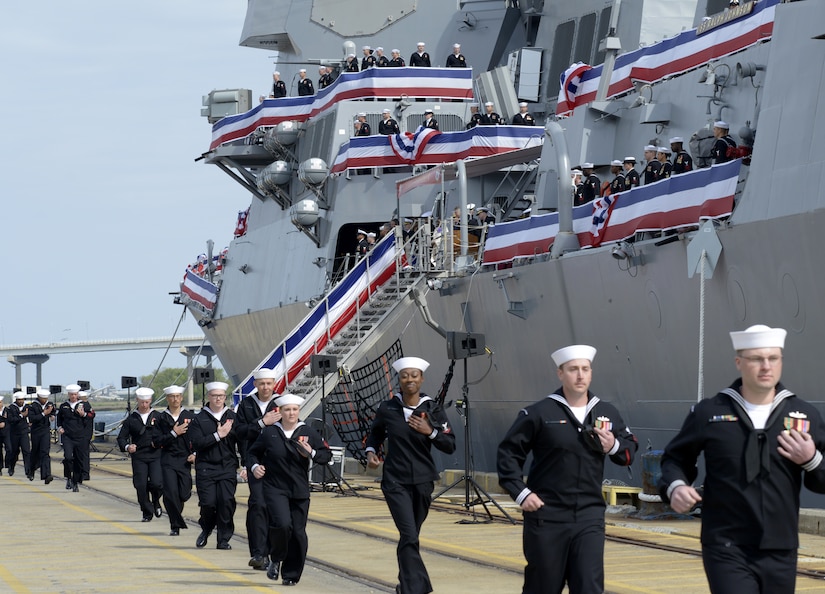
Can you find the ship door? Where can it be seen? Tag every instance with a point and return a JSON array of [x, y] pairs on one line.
[[346, 247]]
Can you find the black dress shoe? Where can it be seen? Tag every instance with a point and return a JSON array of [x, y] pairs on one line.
[[201, 542], [158, 511], [68, 484], [30, 477], [273, 570], [224, 546], [259, 562], [75, 488], [288, 582], [174, 532], [48, 479], [11, 471], [146, 518]]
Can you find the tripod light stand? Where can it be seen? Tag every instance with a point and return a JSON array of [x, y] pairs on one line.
[[320, 366], [463, 346]]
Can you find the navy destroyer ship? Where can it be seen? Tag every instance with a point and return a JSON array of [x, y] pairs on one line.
[[654, 277]]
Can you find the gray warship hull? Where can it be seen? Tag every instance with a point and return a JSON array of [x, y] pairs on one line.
[[662, 337]]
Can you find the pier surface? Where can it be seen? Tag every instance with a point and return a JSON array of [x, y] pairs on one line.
[[94, 541]]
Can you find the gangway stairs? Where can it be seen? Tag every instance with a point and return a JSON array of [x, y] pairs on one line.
[[387, 305]]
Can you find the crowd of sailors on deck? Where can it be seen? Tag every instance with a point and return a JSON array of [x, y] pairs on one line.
[[660, 162]]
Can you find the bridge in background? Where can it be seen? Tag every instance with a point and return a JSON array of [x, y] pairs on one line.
[[37, 354]]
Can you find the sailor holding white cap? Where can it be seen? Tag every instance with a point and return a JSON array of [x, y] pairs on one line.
[[760, 441], [41, 413], [176, 458], [414, 423], [523, 117], [723, 146], [420, 58], [214, 440], [305, 86], [73, 418], [280, 459], [569, 433], [140, 437], [254, 413], [682, 161], [456, 59], [18, 434]]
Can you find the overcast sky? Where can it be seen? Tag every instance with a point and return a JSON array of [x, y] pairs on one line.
[[103, 203]]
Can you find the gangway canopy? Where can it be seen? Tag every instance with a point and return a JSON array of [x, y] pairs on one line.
[[475, 168]]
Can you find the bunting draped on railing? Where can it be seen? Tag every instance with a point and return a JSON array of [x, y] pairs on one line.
[[669, 57], [328, 318], [198, 292], [679, 201], [481, 141], [447, 83]]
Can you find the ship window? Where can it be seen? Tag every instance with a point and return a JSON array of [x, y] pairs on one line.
[[447, 122], [604, 26], [560, 59], [584, 39], [716, 6]]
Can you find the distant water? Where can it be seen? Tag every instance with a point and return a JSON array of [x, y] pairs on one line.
[[110, 417]]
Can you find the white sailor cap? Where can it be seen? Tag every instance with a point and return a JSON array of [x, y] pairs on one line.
[[482, 209], [43, 393], [322, 68], [276, 72], [144, 393], [304, 70], [223, 386], [72, 389], [173, 389], [616, 163], [362, 114], [650, 147], [424, 215], [407, 221], [489, 104], [428, 110], [410, 363], [471, 206], [630, 159], [350, 55], [366, 48], [371, 234], [264, 373], [1, 398], [663, 149], [473, 104], [19, 395], [360, 232], [396, 51], [420, 43], [575, 172], [523, 104], [83, 394], [379, 49], [758, 337], [456, 45], [287, 398], [721, 124], [587, 165], [576, 351], [676, 139], [386, 111]]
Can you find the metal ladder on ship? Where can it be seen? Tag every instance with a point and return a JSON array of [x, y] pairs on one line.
[[383, 308]]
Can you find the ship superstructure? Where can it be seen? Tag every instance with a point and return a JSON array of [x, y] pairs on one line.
[[661, 332]]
